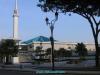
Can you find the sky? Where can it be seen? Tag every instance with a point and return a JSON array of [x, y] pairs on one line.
[[72, 28]]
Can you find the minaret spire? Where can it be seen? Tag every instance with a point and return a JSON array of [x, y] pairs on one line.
[[16, 4], [15, 21]]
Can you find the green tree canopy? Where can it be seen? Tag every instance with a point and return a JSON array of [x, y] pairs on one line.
[[48, 51], [38, 50], [8, 48], [63, 52], [81, 49], [91, 7]]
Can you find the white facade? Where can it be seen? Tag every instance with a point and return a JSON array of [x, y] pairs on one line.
[[58, 45], [28, 55], [15, 60], [15, 21]]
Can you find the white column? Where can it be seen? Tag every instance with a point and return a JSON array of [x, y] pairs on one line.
[[15, 21], [15, 27]]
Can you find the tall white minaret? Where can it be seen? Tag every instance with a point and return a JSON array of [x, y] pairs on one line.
[[15, 21]]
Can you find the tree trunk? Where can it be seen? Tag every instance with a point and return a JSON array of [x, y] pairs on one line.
[[95, 35], [7, 59], [1, 59], [97, 51]]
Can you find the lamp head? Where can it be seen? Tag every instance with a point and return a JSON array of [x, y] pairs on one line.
[[47, 20], [56, 15]]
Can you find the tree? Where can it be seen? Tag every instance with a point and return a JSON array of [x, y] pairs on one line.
[[59, 53], [48, 51], [89, 9], [63, 52], [81, 49], [8, 49], [38, 50]]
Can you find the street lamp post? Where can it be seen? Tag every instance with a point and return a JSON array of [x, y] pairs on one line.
[[51, 26]]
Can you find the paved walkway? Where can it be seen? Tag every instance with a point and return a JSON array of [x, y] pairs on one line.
[[67, 72], [30, 71], [45, 70], [15, 72]]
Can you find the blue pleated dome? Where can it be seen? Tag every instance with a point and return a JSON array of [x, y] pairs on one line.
[[37, 39]]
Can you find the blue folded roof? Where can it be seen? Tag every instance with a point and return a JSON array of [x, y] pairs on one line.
[[37, 39]]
